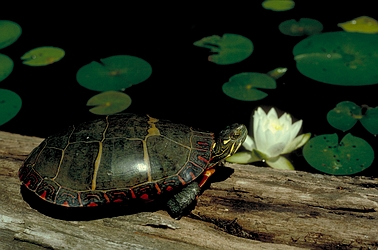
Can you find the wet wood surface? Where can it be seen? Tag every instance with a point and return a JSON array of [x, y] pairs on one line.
[[244, 207]]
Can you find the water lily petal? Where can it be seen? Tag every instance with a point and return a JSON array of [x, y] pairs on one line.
[[275, 149], [280, 163], [298, 142], [243, 158], [249, 144], [295, 128]]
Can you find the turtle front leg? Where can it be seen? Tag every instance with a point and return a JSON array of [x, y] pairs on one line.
[[182, 200]]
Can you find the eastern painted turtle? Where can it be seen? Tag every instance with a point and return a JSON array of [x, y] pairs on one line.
[[124, 158]]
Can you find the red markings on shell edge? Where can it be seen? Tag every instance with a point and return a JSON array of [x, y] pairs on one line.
[[145, 197], [203, 159], [92, 204], [43, 195]]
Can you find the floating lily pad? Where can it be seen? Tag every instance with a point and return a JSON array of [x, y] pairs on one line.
[[114, 73], [350, 156], [244, 86], [228, 49], [278, 5], [363, 24], [277, 73], [340, 58], [6, 66], [42, 56], [370, 120], [9, 33], [10, 105], [305, 26], [344, 116], [109, 102]]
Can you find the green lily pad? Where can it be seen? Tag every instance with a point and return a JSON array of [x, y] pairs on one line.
[[109, 102], [305, 26], [278, 5], [244, 86], [344, 116], [340, 58], [277, 73], [363, 24], [228, 49], [114, 73], [42, 56], [6, 66], [370, 120], [10, 105], [350, 156], [9, 33]]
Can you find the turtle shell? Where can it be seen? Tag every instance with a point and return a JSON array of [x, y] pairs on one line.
[[118, 158]]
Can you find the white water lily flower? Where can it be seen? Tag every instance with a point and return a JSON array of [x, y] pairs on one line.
[[273, 137]]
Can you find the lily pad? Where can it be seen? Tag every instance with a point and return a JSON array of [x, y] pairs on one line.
[[277, 73], [109, 102], [244, 86], [42, 56], [363, 24], [370, 120], [305, 26], [278, 5], [228, 49], [340, 58], [350, 156], [344, 116], [9, 33], [10, 105], [6, 66], [114, 73]]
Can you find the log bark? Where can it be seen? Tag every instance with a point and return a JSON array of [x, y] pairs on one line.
[[244, 207]]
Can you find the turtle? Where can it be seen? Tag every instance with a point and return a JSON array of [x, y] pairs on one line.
[[123, 158]]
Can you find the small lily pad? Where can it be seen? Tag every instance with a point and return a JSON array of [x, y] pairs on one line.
[[10, 105], [42, 56], [350, 156], [305, 26], [109, 102], [278, 5], [370, 120], [9, 33], [363, 24], [341, 58], [228, 49], [6, 66], [114, 73], [277, 73], [344, 116], [244, 86]]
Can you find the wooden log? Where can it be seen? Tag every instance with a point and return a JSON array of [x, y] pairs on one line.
[[244, 207]]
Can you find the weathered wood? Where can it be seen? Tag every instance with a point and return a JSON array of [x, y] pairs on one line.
[[254, 208]]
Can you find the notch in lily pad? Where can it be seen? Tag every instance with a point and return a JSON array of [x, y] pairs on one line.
[[9, 33], [346, 114], [10, 105], [278, 5], [228, 49], [352, 155], [305, 26], [245, 86], [340, 58], [114, 73], [109, 102], [363, 24], [43, 56], [6, 66]]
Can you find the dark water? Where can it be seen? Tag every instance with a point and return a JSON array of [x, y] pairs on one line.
[[183, 87]]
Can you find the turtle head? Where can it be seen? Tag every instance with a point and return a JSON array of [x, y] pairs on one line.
[[228, 142]]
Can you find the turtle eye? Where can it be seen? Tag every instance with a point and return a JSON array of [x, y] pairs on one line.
[[235, 135]]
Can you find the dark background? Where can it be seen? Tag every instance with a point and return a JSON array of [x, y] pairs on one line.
[[184, 86]]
